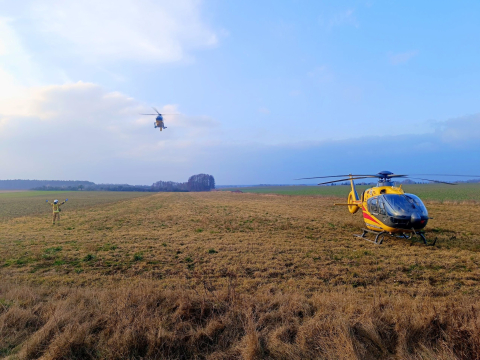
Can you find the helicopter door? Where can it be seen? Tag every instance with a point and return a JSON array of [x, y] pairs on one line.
[[381, 207], [372, 205]]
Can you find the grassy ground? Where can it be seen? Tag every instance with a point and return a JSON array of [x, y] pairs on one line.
[[227, 276], [428, 192]]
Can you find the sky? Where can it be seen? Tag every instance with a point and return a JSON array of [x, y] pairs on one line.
[[262, 91]]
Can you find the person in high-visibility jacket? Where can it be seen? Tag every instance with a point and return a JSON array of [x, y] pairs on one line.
[[56, 210]]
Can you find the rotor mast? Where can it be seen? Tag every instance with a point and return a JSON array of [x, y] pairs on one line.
[[384, 179]]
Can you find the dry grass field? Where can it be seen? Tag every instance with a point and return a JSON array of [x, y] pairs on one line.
[[236, 276], [21, 203]]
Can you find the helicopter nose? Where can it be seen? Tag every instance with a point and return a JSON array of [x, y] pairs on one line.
[[415, 218], [416, 221]]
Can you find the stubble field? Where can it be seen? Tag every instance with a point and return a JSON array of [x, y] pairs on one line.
[[24, 203], [236, 276]]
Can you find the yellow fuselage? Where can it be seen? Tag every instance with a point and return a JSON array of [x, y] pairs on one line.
[[159, 124], [373, 221], [407, 212]]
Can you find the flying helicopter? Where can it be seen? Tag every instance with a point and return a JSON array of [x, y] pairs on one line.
[[159, 119], [387, 209]]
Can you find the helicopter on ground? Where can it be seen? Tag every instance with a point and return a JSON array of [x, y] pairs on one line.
[[387, 209], [159, 120]]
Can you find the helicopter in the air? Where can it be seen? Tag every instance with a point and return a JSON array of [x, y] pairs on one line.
[[387, 209], [159, 120]]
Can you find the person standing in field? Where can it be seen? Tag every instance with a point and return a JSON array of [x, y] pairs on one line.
[[56, 210]]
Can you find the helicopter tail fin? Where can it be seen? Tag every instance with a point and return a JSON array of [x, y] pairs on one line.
[[353, 198], [354, 190]]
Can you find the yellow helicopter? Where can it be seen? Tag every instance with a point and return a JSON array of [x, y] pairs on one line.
[[159, 120], [387, 209]]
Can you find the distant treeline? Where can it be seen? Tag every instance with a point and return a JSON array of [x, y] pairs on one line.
[[169, 186], [96, 187], [259, 185], [30, 184], [200, 182]]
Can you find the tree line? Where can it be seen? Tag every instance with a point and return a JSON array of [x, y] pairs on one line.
[[18, 184], [199, 182]]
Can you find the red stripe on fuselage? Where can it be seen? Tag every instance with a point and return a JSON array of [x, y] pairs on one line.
[[366, 216]]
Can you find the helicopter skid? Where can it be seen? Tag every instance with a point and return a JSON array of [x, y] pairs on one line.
[[380, 236]]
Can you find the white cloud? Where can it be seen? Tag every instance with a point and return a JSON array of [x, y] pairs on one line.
[[264, 110], [461, 131], [401, 58], [78, 125], [17, 70], [140, 30], [82, 131], [9, 42]]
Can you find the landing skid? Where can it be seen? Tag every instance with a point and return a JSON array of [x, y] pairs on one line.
[[380, 236]]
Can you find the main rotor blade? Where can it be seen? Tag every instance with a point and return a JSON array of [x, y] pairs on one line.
[[326, 177], [436, 181], [330, 182], [156, 110], [370, 176], [160, 114], [473, 176]]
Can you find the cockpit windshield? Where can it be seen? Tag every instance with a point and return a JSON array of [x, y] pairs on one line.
[[405, 204]]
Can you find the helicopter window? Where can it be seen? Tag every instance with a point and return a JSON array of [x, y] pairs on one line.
[[418, 203], [372, 205], [381, 207], [400, 204], [404, 204]]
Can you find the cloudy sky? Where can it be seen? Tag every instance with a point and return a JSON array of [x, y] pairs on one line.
[[265, 91]]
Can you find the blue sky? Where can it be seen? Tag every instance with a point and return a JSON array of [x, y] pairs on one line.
[[266, 91]]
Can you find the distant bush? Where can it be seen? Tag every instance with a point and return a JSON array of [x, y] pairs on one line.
[[201, 182]]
